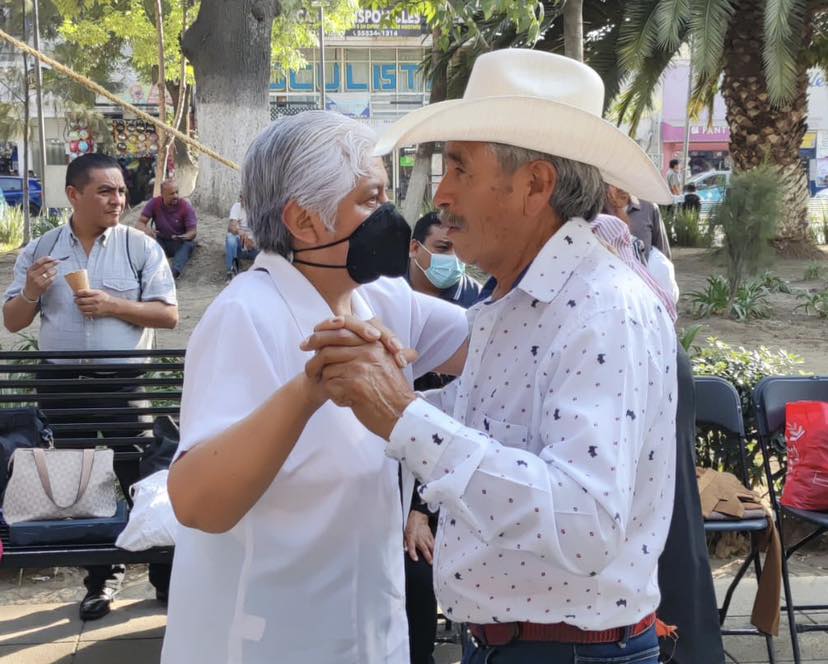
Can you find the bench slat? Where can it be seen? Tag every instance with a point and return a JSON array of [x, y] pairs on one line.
[[124, 366], [19, 372]]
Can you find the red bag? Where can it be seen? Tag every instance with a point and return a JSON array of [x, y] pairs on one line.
[[806, 433]]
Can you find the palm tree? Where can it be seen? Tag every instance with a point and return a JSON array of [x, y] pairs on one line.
[[757, 53]]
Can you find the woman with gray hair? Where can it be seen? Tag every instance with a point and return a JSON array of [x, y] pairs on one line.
[[292, 545]]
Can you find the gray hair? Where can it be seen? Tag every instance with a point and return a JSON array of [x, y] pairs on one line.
[[580, 188], [314, 158]]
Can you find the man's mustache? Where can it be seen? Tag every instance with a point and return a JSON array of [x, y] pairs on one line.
[[451, 220]]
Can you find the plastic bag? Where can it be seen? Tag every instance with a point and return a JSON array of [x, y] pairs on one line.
[[152, 521], [806, 434]]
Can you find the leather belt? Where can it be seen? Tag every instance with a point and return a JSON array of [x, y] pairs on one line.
[[501, 634]]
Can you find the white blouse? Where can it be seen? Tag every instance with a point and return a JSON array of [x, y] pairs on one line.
[[314, 572]]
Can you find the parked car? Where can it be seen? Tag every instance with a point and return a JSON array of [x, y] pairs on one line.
[[12, 188], [711, 185]]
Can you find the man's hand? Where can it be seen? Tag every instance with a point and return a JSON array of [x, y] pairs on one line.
[[95, 303], [351, 331], [248, 242], [366, 379], [418, 537], [40, 277]]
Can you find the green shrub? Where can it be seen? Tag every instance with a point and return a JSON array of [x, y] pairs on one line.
[[774, 284], [44, 223], [812, 272], [11, 227], [815, 303], [744, 369], [686, 229], [687, 335], [750, 301], [712, 300], [747, 218]]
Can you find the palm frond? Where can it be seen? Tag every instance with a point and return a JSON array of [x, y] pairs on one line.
[[639, 90], [705, 89], [671, 17], [709, 22], [784, 21], [639, 32]]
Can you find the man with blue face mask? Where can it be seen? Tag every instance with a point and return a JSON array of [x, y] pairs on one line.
[[435, 270], [433, 267]]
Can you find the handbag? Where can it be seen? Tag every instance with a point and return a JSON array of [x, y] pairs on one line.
[[20, 427], [60, 484], [806, 435]]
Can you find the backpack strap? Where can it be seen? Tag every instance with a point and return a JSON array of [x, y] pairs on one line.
[[133, 237], [48, 239]]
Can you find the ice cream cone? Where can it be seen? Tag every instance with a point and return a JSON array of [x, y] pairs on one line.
[[78, 280]]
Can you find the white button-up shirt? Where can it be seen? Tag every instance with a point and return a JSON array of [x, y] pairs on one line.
[[313, 573], [552, 457]]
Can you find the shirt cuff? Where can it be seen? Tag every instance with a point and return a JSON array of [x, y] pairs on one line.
[[421, 436]]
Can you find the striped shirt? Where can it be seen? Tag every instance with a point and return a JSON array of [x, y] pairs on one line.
[[616, 235]]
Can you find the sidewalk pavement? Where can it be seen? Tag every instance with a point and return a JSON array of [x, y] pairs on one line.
[[132, 633]]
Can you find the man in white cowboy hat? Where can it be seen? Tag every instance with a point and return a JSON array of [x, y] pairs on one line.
[[552, 457]]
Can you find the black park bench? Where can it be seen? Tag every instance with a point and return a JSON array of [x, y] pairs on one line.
[[76, 391]]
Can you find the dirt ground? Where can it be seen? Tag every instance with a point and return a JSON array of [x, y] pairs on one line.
[[204, 279], [790, 330]]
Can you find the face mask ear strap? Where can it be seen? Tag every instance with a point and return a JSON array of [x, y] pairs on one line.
[[333, 267], [321, 246]]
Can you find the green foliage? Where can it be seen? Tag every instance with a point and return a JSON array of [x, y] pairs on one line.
[[744, 369], [687, 336], [747, 218], [686, 229], [713, 300], [813, 272], [814, 303], [750, 301], [774, 284], [46, 222], [11, 228]]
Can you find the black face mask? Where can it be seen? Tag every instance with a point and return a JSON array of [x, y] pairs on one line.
[[377, 248]]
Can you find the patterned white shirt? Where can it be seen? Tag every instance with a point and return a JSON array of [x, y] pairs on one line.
[[552, 457]]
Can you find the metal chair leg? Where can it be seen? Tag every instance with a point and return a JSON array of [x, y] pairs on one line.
[[786, 586]]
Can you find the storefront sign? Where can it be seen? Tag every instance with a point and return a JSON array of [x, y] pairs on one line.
[[375, 23], [358, 77], [822, 144]]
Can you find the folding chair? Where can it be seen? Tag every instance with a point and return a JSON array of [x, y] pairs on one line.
[[718, 408], [770, 398]]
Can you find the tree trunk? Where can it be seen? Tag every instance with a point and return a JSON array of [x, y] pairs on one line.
[[761, 132], [186, 168], [229, 46], [24, 171], [160, 161], [573, 24], [421, 173]]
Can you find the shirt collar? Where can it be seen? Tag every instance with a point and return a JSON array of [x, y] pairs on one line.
[[307, 305], [557, 260], [635, 203], [102, 238]]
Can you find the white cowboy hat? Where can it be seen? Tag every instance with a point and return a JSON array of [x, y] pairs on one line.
[[539, 101]]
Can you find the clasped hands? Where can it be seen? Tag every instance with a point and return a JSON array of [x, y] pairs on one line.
[[359, 365]]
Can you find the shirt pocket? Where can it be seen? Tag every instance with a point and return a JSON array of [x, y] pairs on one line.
[[123, 287], [506, 433]]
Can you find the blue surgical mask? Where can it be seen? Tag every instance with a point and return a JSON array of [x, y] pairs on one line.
[[445, 270]]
